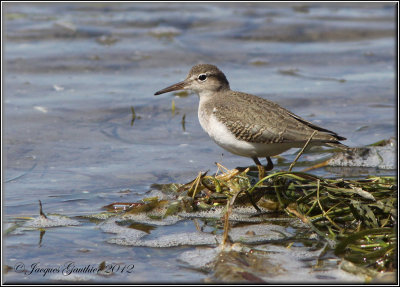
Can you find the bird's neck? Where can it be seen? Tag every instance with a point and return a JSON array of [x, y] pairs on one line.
[[206, 95]]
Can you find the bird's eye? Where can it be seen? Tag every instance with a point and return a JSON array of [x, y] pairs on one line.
[[202, 77]]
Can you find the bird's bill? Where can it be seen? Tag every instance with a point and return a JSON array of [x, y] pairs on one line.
[[174, 87]]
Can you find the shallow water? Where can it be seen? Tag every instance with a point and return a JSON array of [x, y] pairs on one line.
[[72, 72]]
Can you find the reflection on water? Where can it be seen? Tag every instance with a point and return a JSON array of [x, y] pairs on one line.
[[74, 70]]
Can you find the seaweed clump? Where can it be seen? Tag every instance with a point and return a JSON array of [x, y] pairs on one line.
[[356, 217]]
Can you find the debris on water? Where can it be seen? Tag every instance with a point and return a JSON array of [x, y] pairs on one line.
[[164, 32], [133, 115], [181, 94], [354, 219], [173, 107], [42, 221], [296, 73], [50, 221], [41, 213], [41, 109], [201, 258], [171, 240], [58, 88], [259, 62], [66, 26], [139, 56], [136, 235], [380, 155], [15, 16], [107, 40], [183, 122], [302, 8]]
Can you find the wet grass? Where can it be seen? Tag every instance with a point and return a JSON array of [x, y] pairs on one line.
[[356, 217]]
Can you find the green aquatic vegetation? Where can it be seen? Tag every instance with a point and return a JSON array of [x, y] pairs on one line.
[[356, 217], [181, 94], [15, 16], [133, 115], [173, 109], [183, 122]]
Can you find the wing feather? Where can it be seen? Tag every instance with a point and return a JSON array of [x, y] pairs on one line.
[[267, 122]]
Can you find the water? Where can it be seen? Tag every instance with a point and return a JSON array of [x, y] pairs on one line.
[[72, 71]]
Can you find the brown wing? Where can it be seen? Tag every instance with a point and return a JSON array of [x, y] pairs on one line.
[[258, 120]]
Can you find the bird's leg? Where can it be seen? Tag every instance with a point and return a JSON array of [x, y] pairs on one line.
[[270, 165], [261, 170]]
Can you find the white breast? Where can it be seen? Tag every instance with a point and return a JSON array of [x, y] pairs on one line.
[[224, 138]]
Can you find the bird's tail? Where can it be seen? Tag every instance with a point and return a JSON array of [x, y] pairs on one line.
[[338, 145]]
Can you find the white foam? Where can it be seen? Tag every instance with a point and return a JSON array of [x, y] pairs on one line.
[[259, 232], [200, 258], [50, 221], [111, 226], [171, 240], [383, 157], [144, 218]]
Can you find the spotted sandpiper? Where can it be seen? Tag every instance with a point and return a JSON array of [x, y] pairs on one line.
[[245, 124]]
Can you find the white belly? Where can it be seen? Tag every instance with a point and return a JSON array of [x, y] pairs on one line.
[[224, 138]]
